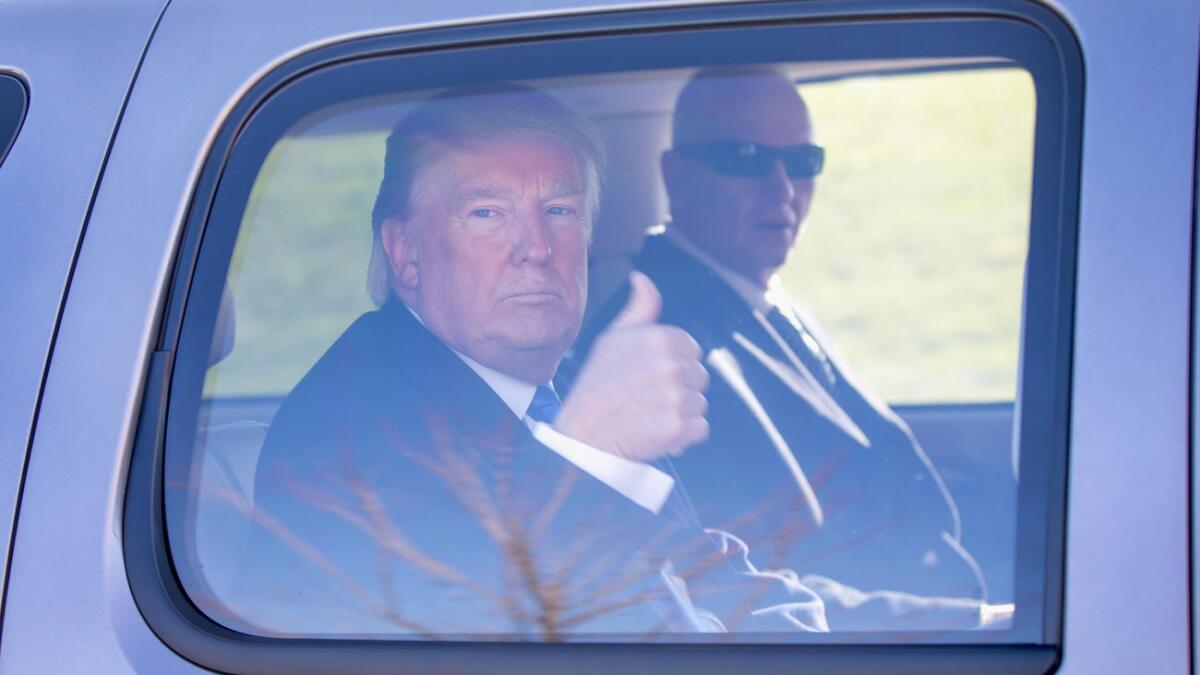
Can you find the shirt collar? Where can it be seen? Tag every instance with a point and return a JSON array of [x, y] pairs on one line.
[[516, 394], [757, 298]]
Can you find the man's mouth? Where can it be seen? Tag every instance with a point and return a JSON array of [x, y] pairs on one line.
[[533, 297]]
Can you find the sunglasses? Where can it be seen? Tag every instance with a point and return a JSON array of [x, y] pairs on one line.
[[742, 159]]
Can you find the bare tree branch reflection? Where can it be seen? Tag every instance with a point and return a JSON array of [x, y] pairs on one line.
[[549, 586]]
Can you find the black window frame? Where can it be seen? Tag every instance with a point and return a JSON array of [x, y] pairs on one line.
[[198, 278], [14, 106]]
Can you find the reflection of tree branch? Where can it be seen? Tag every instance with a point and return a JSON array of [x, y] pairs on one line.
[[388, 539], [582, 547], [610, 607], [550, 509], [546, 596], [383, 575], [623, 584], [463, 480], [551, 595], [468, 486], [378, 526], [260, 517], [557, 572]]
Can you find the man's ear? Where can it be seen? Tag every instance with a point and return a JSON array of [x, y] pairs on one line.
[[401, 250]]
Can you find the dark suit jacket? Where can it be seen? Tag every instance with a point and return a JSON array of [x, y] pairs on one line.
[[820, 479], [396, 494]]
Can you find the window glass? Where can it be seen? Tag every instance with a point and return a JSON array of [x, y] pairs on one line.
[[13, 101], [421, 395], [918, 238]]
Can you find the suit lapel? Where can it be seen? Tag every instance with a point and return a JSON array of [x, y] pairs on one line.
[[449, 386], [681, 276], [744, 331]]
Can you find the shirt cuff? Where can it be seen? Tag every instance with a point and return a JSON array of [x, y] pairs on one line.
[[643, 484]]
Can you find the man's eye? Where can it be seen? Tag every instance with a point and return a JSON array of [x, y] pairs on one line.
[[560, 211], [483, 213]]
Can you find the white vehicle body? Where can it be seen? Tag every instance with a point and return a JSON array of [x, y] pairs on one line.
[[125, 104]]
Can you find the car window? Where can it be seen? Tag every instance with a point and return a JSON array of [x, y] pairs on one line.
[[619, 354], [918, 245]]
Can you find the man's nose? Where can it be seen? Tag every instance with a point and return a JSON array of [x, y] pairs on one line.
[[778, 183], [533, 239]]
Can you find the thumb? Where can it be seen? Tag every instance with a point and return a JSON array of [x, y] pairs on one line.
[[645, 302]]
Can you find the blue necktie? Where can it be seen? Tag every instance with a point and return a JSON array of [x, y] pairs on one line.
[[545, 405], [802, 344]]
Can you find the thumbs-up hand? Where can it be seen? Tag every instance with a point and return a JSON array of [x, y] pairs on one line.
[[644, 305], [640, 393]]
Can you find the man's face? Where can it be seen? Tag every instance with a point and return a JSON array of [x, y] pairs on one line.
[[747, 223], [493, 255]]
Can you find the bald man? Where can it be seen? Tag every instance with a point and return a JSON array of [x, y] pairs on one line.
[[819, 475]]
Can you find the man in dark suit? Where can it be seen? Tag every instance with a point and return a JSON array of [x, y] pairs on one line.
[[817, 474], [424, 479]]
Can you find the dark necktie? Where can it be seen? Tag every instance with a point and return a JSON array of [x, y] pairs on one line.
[[544, 406], [802, 344]]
